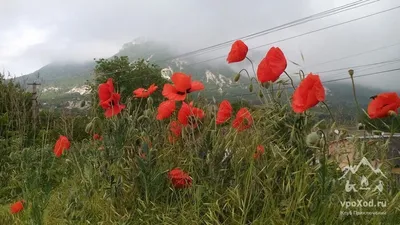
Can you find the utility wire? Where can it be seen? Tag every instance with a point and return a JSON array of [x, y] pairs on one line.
[[334, 80], [306, 33], [320, 15]]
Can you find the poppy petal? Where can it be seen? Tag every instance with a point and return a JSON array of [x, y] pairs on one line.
[[196, 86], [165, 109], [182, 82], [170, 92]]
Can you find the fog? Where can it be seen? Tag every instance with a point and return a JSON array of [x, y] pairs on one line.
[[35, 33]]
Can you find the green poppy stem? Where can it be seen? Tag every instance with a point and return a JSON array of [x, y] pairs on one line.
[[330, 112], [291, 80], [354, 94]]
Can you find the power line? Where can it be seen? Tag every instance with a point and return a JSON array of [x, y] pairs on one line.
[[320, 15], [335, 80], [359, 66], [306, 33]]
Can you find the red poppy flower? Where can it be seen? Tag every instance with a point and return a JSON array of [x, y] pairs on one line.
[[259, 151], [243, 120], [272, 66], [17, 207], [112, 105], [224, 112], [188, 114], [109, 100], [97, 137], [61, 145], [308, 93], [238, 52], [183, 85], [179, 178], [165, 109], [381, 106], [144, 93]]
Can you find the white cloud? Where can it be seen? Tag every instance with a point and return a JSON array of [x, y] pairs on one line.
[[16, 41]]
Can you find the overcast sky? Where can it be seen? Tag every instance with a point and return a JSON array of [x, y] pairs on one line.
[[35, 33]]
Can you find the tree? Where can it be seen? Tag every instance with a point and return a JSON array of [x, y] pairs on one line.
[[128, 76]]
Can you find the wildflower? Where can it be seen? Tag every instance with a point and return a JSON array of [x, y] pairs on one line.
[[188, 114], [165, 109], [144, 93], [224, 112], [109, 100], [259, 152], [238, 52], [272, 66], [383, 105], [176, 128], [179, 178], [17, 207], [308, 94], [243, 120], [97, 137], [182, 85], [61, 145], [101, 148]]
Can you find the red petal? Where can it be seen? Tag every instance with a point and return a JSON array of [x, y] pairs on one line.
[[182, 82], [165, 109], [115, 110], [196, 86], [171, 93]]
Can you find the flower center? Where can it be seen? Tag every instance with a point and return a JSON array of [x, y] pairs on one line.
[[182, 93]]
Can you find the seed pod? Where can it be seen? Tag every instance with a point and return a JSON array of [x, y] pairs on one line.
[[251, 88], [312, 139], [260, 94], [237, 77], [351, 72]]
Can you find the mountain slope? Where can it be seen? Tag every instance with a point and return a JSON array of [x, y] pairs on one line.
[[63, 79]]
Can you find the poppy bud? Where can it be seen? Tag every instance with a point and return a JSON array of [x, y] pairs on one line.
[[351, 72], [260, 94], [392, 113], [88, 127], [237, 77], [312, 139], [149, 101], [251, 88]]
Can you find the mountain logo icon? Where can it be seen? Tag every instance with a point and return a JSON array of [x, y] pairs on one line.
[[364, 162]]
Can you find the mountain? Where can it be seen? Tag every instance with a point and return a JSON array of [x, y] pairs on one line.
[[65, 80]]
